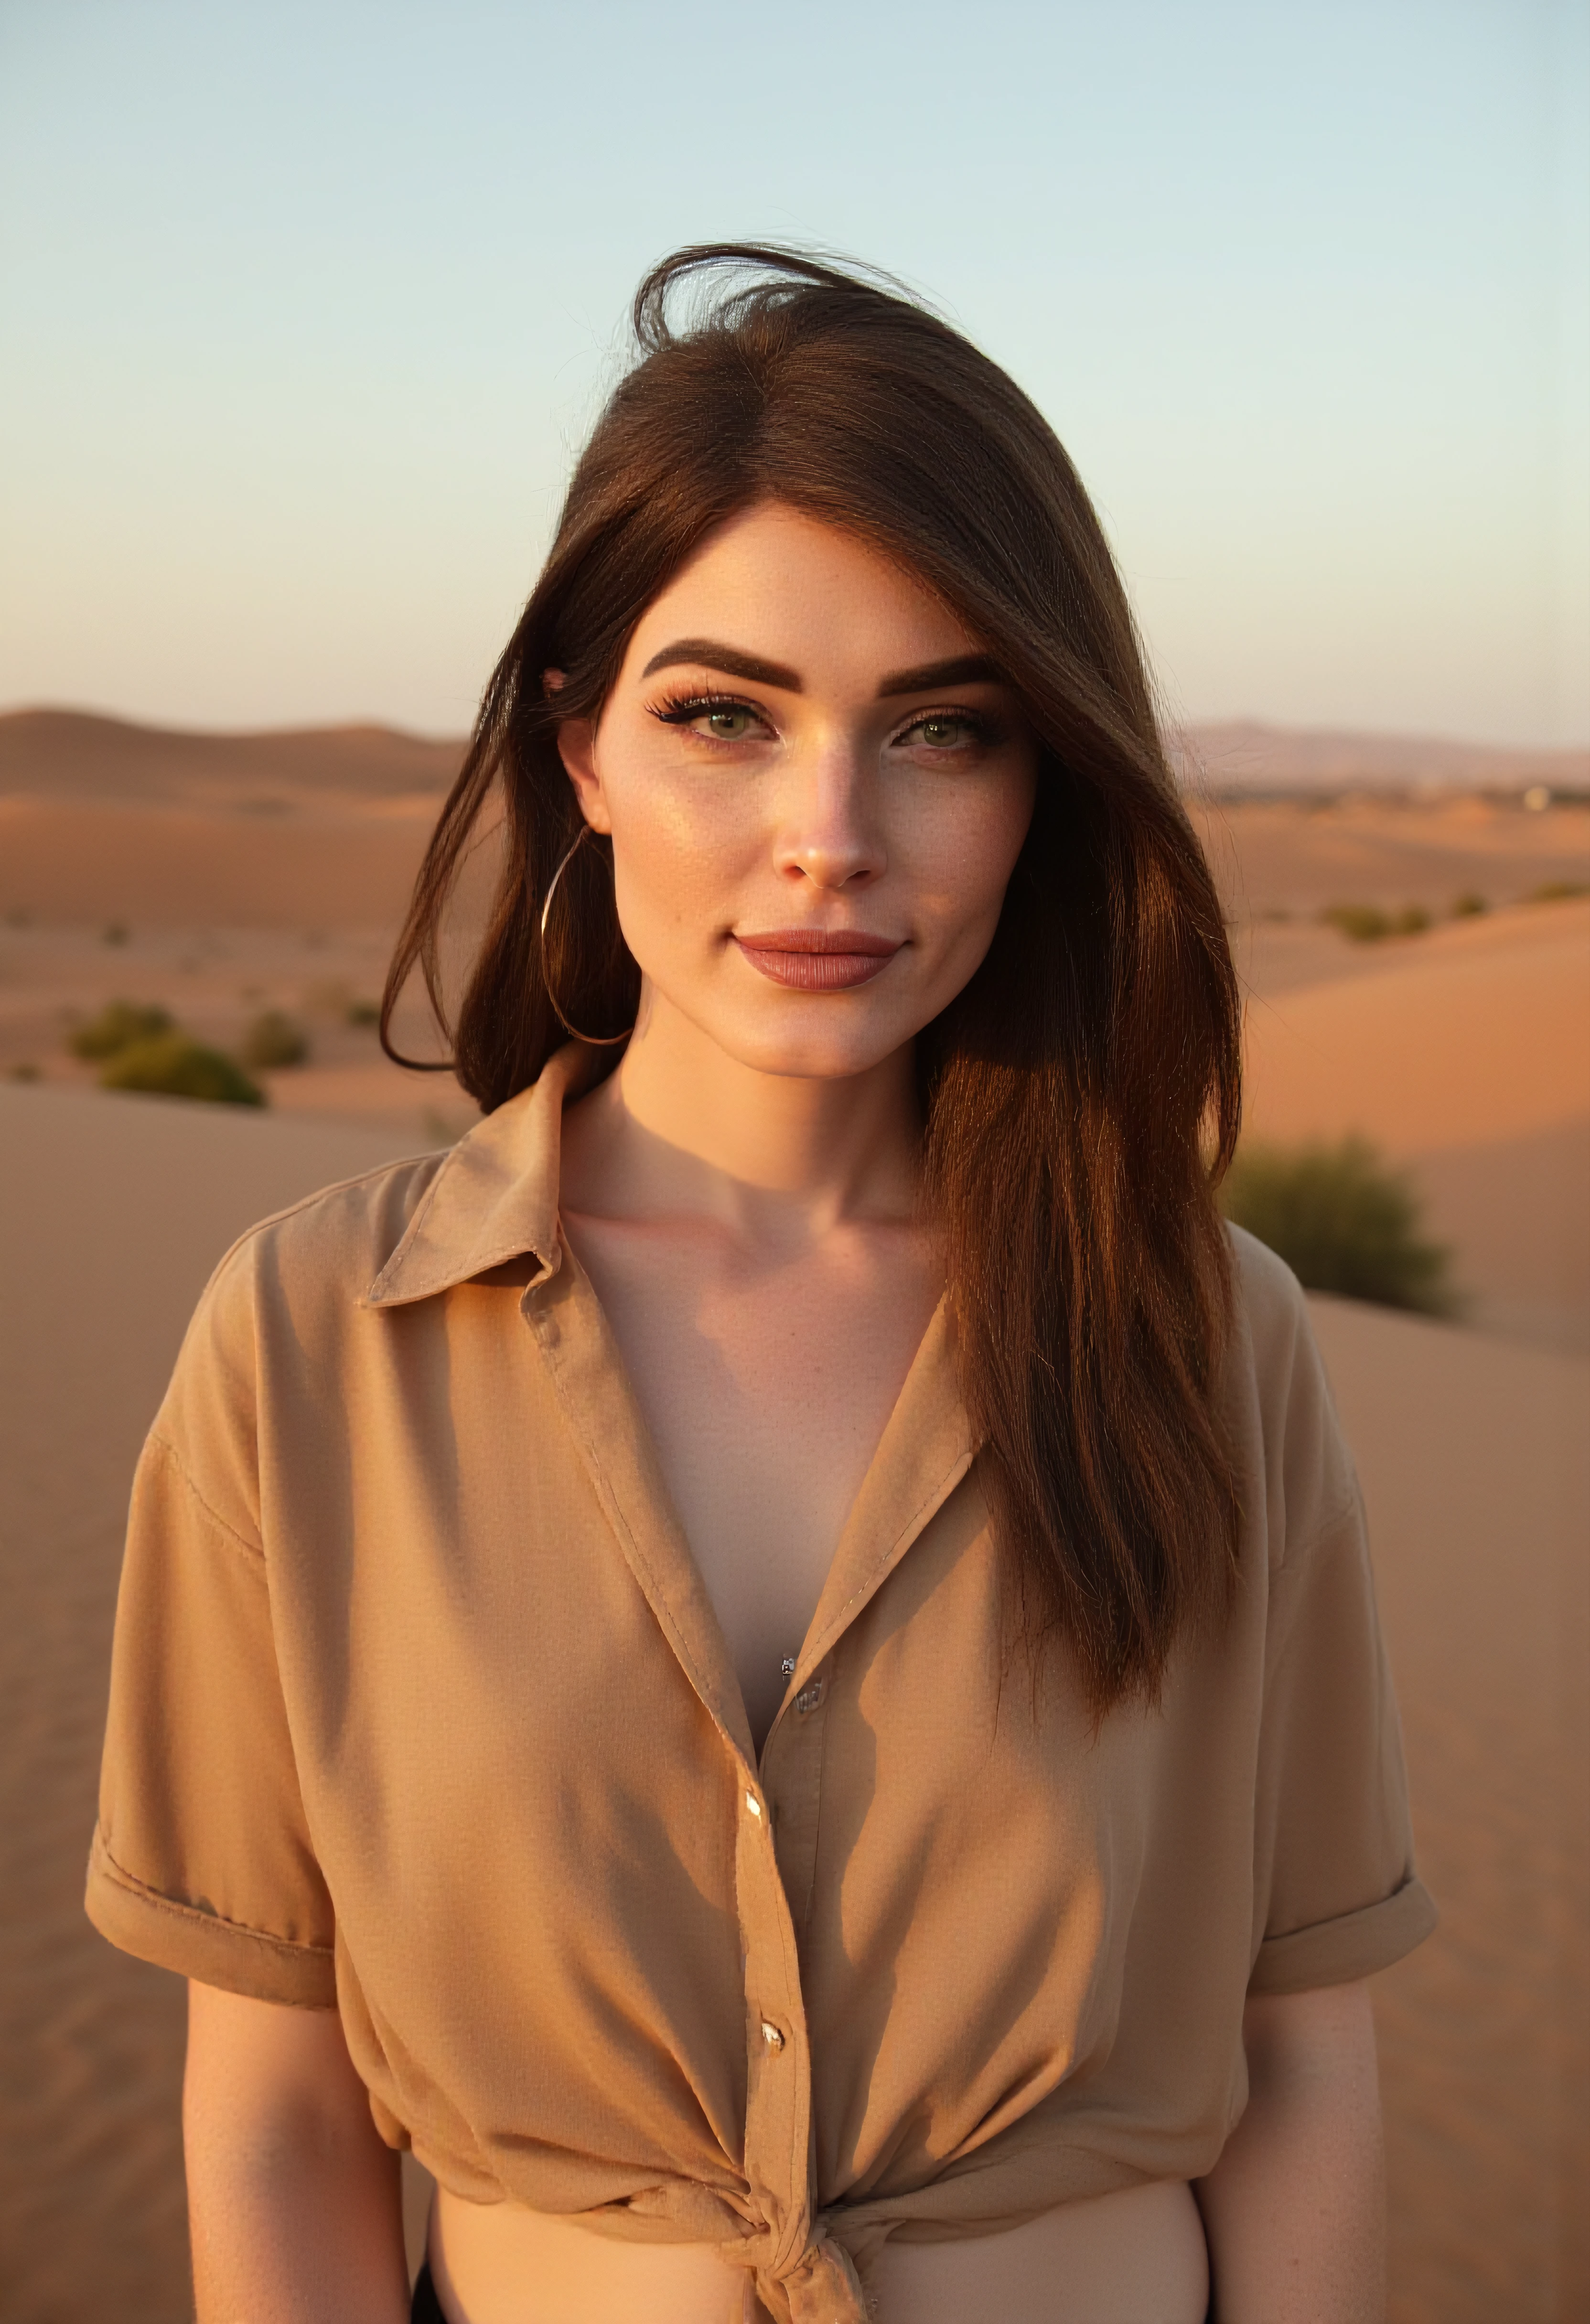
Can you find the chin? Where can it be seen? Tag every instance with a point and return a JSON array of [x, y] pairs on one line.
[[812, 1053]]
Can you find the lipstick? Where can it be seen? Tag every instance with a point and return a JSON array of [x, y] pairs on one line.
[[818, 960]]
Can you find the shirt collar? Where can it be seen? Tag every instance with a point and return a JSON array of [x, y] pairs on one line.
[[495, 1197]]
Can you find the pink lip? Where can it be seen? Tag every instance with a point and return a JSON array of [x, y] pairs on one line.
[[818, 960]]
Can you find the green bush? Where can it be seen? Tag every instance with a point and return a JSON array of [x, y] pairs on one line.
[[118, 1025], [170, 1064], [1469, 905], [363, 1013], [1368, 924], [1557, 891], [272, 1040], [1343, 1220]]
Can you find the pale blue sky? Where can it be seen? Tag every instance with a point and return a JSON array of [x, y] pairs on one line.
[[303, 308]]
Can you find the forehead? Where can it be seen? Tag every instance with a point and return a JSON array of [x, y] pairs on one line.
[[792, 589]]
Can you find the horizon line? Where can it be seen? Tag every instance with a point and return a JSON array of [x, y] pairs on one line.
[[1230, 722]]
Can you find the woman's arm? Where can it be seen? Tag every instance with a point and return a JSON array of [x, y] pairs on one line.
[[1294, 2211], [293, 2198]]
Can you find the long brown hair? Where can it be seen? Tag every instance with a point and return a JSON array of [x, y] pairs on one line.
[[1081, 1095]]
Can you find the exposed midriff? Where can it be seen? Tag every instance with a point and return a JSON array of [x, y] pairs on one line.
[[1136, 2257]]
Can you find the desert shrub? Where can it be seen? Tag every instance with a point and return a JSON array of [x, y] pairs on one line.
[[1343, 1220], [1368, 924], [116, 933], [1359, 923], [171, 1065], [1558, 892], [273, 1039], [118, 1025], [363, 1012], [1469, 905]]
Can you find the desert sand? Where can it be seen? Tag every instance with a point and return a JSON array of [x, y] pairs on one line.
[[116, 1212], [1465, 1053], [1476, 1467]]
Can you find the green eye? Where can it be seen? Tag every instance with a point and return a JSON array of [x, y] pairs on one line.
[[730, 724], [712, 718], [943, 734]]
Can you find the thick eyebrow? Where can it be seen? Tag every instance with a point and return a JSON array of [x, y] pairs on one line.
[[728, 659], [962, 669]]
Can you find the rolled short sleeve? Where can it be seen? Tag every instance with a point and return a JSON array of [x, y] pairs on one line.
[[1337, 1893], [202, 1860]]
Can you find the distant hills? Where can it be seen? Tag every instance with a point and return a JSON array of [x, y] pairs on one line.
[[103, 821], [1245, 756], [77, 755]]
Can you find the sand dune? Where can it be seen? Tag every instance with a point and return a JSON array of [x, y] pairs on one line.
[[214, 982], [1467, 1056], [74, 754], [116, 1212], [1516, 1214], [1475, 1463], [1291, 859], [1483, 1032], [103, 820], [1472, 1453], [330, 864]]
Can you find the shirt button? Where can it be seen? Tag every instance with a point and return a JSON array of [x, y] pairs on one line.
[[754, 1805], [787, 1666], [772, 2036]]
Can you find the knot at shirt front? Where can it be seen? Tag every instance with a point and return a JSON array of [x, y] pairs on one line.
[[820, 2286]]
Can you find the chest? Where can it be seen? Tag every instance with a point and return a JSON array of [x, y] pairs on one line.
[[765, 1388]]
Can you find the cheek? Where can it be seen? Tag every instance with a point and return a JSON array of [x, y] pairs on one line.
[[967, 849], [678, 855]]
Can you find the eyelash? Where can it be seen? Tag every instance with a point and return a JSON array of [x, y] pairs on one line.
[[679, 709]]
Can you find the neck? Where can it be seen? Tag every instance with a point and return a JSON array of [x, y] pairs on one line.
[[682, 1126]]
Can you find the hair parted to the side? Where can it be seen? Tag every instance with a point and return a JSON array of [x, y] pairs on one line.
[[1081, 1095]]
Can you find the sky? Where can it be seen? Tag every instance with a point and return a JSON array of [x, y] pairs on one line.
[[305, 310]]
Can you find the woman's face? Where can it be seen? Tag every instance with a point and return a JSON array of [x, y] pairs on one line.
[[816, 786]]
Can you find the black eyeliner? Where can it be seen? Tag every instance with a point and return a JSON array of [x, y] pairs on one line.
[[678, 710], [985, 728]]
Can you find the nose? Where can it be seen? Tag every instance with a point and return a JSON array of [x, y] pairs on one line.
[[829, 831]]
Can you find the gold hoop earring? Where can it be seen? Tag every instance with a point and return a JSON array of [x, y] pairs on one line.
[[593, 1040]]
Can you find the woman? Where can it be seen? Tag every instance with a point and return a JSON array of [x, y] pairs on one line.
[[773, 1661]]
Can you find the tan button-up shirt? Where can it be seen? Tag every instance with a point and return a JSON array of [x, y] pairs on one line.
[[420, 1707]]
